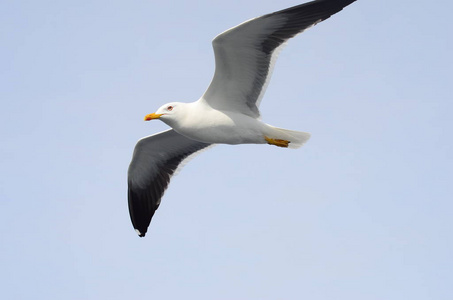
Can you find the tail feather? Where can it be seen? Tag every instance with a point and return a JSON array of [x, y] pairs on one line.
[[296, 138]]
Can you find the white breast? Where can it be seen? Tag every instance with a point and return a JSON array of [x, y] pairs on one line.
[[220, 127]]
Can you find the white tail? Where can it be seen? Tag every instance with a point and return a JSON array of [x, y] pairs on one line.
[[296, 138]]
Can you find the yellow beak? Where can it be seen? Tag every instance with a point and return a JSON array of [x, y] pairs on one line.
[[152, 116]]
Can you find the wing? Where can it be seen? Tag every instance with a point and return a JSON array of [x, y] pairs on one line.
[[245, 54], [154, 161]]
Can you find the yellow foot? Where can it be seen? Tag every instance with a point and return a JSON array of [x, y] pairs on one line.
[[277, 142]]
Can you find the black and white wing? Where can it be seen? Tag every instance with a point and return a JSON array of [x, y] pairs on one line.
[[154, 161], [245, 54]]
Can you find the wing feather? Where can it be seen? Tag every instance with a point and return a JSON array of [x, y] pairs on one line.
[[155, 160], [245, 54]]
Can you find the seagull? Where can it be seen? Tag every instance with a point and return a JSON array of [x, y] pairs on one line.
[[227, 113]]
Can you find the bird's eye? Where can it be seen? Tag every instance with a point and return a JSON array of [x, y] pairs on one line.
[[170, 108]]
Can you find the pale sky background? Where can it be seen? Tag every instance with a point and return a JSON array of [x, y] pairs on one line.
[[362, 211]]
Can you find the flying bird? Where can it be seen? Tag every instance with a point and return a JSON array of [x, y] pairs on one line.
[[228, 111]]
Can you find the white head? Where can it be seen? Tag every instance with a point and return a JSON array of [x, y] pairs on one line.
[[168, 113]]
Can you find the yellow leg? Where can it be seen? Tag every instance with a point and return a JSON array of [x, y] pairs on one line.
[[277, 142]]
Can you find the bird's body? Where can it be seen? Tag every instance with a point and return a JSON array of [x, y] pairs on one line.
[[199, 122], [204, 124], [229, 127], [228, 112]]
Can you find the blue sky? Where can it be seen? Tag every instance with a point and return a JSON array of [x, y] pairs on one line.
[[362, 211]]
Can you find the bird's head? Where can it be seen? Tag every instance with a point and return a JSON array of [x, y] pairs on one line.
[[167, 113]]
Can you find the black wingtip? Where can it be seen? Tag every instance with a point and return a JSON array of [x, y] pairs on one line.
[[140, 234]]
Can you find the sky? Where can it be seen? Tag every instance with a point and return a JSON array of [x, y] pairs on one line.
[[362, 211]]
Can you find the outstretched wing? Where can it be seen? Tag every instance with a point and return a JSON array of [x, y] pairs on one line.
[[154, 161], [245, 54]]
